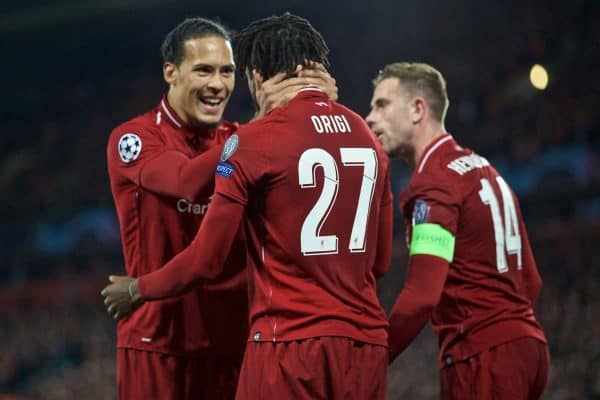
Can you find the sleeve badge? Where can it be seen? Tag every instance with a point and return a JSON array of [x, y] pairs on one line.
[[130, 147], [230, 147], [420, 212]]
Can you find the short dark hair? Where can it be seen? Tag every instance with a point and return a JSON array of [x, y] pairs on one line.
[[172, 48], [279, 44], [419, 78]]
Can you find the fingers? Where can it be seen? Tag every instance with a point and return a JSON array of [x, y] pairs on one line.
[[117, 278], [119, 310], [321, 76], [275, 79], [312, 65], [111, 309]]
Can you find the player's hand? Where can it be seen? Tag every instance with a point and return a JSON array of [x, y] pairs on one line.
[[318, 76], [122, 296], [279, 89]]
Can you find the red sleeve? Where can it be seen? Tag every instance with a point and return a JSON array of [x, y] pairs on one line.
[[384, 235], [150, 165], [203, 259], [247, 164], [422, 290], [174, 174], [436, 197]]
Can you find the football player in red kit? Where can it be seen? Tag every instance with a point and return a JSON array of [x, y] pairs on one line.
[[161, 166], [471, 268], [310, 183]]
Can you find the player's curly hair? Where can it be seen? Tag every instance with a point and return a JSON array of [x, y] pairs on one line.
[[279, 44], [172, 48]]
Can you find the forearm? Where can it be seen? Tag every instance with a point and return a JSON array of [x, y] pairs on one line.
[[421, 293], [175, 175], [408, 317], [202, 260], [384, 241]]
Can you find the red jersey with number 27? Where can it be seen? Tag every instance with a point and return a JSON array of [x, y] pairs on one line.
[[493, 279], [315, 184]]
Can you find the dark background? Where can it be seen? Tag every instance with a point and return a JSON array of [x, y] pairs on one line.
[[73, 70]]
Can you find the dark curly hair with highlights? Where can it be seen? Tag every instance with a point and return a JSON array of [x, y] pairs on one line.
[[279, 44]]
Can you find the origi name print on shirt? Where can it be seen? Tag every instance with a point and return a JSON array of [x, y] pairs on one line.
[[327, 123]]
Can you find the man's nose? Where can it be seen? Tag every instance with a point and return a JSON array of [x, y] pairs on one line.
[[370, 119], [216, 82]]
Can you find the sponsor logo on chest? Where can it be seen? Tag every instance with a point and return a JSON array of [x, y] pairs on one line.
[[184, 206]]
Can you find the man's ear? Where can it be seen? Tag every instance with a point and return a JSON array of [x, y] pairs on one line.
[[170, 73], [418, 108], [258, 79]]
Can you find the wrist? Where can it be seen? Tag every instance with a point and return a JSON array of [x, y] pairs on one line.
[[134, 292]]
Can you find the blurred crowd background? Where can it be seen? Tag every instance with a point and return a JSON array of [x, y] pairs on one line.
[[73, 70]]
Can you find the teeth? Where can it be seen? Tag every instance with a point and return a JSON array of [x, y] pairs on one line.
[[213, 102]]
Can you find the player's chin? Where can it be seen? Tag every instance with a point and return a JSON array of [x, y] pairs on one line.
[[386, 146], [209, 119]]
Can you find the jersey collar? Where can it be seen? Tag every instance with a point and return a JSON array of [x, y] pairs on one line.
[[430, 149]]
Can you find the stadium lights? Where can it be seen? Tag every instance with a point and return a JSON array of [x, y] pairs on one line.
[[538, 77]]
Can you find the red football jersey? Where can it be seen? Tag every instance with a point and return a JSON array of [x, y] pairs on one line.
[[315, 184], [159, 214], [486, 300]]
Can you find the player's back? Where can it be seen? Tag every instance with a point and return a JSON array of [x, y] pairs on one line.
[[313, 223], [485, 299]]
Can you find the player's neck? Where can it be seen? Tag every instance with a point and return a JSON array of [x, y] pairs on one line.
[[191, 126], [426, 136], [175, 106]]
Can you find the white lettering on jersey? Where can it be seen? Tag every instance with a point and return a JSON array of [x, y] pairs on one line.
[[185, 206], [330, 123], [464, 164]]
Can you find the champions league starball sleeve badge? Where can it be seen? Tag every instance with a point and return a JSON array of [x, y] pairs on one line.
[[130, 147]]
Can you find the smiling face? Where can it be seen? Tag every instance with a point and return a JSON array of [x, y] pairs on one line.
[[391, 120], [201, 85]]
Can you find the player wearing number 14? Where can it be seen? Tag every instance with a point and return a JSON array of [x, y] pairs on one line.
[[471, 268]]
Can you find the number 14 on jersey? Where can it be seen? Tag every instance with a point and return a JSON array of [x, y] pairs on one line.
[[506, 232]]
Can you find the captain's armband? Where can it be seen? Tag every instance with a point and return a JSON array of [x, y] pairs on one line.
[[432, 239]]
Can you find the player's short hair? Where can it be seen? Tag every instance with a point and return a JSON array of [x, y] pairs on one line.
[[172, 48], [279, 44], [422, 79]]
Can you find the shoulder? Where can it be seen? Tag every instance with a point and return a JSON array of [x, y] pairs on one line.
[[141, 126], [435, 164], [257, 130], [433, 178], [127, 140]]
